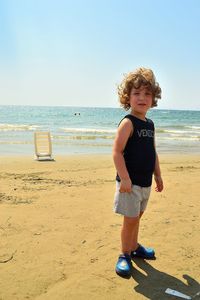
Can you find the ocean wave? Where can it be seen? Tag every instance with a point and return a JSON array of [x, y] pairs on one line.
[[180, 138], [91, 144], [16, 142], [193, 127], [84, 137], [178, 126], [175, 131], [18, 127], [88, 130]]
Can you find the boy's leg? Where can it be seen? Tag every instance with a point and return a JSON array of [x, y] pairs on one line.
[[135, 232], [137, 249], [124, 266], [129, 233]]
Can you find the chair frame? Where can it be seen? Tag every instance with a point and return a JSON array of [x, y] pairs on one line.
[[43, 145]]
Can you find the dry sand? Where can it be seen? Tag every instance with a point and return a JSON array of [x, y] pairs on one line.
[[59, 238]]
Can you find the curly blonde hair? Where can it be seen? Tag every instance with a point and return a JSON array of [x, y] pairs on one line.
[[136, 79]]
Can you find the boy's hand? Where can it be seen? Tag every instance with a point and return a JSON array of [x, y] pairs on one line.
[[125, 186], [159, 183]]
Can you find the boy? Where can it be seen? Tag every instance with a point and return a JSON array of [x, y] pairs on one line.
[[136, 160]]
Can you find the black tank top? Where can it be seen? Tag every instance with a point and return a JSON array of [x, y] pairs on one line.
[[139, 153]]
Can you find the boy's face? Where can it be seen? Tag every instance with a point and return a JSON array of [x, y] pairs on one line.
[[141, 100]]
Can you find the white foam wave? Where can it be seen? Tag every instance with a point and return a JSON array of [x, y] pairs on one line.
[[88, 130], [193, 127], [16, 142], [180, 138], [17, 127], [175, 131], [84, 137]]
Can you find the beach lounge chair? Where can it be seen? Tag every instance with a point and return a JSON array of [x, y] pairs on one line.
[[43, 146]]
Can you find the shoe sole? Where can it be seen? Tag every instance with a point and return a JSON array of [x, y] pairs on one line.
[[144, 257], [121, 274]]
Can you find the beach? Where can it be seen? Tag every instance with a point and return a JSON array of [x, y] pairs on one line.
[[60, 238]]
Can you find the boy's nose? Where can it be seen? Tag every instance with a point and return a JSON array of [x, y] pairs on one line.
[[142, 97]]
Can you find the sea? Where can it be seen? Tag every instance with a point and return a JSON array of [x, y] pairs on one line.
[[91, 130]]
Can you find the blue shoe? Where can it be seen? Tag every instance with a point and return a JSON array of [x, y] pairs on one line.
[[124, 265], [143, 252]]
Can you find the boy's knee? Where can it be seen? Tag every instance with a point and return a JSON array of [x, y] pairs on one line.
[[131, 220]]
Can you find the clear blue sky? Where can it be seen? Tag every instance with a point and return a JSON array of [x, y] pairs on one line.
[[76, 52]]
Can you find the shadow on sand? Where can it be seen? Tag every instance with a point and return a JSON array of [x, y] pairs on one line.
[[154, 283]]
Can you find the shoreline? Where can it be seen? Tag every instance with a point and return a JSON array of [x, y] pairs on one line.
[[54, 154], [67, 155]]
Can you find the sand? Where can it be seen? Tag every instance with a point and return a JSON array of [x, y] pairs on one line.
[[59, 238]]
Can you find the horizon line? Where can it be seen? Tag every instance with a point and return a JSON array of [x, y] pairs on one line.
[[74, 106]]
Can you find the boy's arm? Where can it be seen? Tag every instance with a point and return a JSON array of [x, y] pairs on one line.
[[123, 133], [157, 174]]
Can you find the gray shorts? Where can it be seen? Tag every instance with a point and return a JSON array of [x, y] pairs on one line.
[[133, 203]]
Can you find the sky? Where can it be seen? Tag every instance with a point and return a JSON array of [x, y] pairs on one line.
[[75, 53]]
